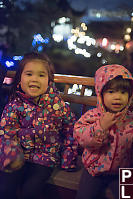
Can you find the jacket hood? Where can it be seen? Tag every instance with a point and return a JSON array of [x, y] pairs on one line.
[[106, 73]]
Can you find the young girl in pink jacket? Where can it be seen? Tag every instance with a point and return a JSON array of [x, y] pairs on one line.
[[106, 133]]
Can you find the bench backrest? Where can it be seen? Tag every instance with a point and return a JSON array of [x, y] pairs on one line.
[[68, 81]]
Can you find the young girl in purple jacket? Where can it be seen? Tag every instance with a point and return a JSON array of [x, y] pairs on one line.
[[36, 131]]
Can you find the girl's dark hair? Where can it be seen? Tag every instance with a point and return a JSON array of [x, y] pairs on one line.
[[28, 58], [2, 74], [119, 83]]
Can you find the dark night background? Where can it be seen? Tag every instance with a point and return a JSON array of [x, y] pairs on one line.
[[21, 20], [78, 35]]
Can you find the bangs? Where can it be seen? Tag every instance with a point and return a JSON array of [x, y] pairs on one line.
[[119, 83], [122, 84]]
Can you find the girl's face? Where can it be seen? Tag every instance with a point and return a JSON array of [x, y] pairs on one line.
[[34, 79], [115, 100]]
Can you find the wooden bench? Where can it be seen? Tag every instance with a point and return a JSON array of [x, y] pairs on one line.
[[60, 178]]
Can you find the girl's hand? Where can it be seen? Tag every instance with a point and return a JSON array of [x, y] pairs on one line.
[[108, 119], [16, 164]]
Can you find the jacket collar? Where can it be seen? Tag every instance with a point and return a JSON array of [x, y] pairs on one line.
[[50, 93]]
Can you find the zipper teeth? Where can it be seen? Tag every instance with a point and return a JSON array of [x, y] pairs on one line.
[[35, 124], [115, 150]]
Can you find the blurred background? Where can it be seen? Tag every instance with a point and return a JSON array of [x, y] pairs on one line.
[[78, 35]]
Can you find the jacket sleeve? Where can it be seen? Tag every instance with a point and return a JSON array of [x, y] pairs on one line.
[[88, 132], [69, 147], [10, 148]]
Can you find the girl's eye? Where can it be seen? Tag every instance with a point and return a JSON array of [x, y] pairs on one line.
[[123, 92], [110, 91], [42, 75], [29, 74]]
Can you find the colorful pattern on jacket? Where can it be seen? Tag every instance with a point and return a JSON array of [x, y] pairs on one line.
[[105, 152], [43, 132]]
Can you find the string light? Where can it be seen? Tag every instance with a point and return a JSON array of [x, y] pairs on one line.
[[128, 30], [127, 37]]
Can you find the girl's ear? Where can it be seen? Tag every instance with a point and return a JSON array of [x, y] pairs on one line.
[[18, 86]]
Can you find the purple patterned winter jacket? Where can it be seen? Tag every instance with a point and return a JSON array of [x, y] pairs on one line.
[[43, 132]]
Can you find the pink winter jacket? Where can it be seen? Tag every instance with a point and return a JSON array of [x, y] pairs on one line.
[[105, 152]]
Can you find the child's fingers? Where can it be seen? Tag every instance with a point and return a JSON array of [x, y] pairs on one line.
[[16, 164], [118, 114], [114, 121]]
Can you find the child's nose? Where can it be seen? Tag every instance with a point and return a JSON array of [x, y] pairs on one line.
[[118, 95], [35, 78]]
